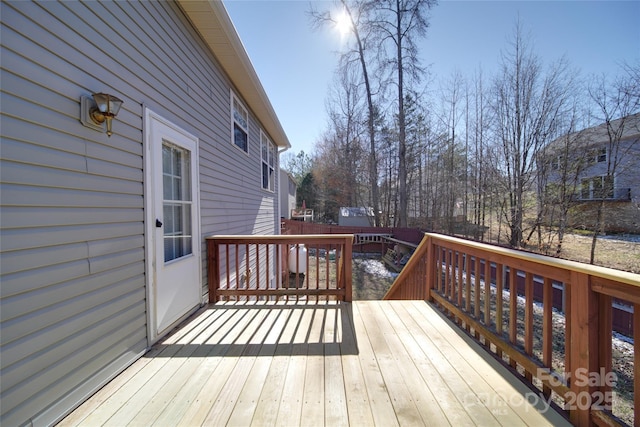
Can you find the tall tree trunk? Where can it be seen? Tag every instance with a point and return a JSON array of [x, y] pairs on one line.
[[402, 143], [598, 229], [373, 157]]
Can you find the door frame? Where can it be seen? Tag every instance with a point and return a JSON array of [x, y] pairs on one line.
[[150, 216]]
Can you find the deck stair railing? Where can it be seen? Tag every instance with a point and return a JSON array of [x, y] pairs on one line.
[[473, 284], [288, 267]]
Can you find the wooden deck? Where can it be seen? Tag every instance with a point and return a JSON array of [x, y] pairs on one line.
[[364, 363]]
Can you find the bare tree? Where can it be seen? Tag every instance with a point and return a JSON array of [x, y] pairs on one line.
[[345, 112], [560, 165], [616, 102], [362, 53], [527, 104], [389, 177], [401, 23], [478, 169], [450, 117], [298, 165]]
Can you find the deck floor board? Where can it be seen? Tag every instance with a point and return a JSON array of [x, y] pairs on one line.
[[318, 364]]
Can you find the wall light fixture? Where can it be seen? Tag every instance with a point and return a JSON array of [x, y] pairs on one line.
[[103, 108]]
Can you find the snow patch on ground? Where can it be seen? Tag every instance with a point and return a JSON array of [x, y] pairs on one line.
[[376, 267], [634, 238]]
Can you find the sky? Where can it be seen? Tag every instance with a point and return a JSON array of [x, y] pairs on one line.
[[296, 64]]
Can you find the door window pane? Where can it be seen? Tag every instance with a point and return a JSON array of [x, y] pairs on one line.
[[176, 182]]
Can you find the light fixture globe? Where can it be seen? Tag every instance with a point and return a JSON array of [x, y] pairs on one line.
[[107, 107]]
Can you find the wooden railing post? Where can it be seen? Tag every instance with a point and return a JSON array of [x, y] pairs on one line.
[[430, 276], [636, 359], [585, 349], [347, 254], [213, 270]]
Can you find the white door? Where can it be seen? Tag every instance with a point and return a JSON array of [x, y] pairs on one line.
[[173, 226]]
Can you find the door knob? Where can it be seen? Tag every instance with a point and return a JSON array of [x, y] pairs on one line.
[[158, 223]]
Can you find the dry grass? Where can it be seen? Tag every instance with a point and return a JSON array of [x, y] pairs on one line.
[[612, 253]]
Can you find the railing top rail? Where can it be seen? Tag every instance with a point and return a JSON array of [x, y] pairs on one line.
[[282, 238], [593, 270]]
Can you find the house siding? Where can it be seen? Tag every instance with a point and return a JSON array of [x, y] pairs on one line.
[[73, 295], [287, 194], [622, 215], [621, 212]]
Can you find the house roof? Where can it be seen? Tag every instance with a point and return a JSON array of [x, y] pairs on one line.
[[211, 20], [598, 134]]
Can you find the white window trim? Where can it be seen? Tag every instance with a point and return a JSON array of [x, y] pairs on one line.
[[235, 98], [271, 152]]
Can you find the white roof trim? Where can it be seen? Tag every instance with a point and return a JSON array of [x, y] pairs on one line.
[[211, 20]]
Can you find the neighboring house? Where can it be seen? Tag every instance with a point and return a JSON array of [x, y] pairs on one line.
[[356, 217], [288, 189], [103, 237], [593, 152]]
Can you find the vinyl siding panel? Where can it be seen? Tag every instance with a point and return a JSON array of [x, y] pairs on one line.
[[73, 296]]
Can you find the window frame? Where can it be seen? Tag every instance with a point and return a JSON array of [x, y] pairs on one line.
[[598, 187], [267, 165], [235, 100]]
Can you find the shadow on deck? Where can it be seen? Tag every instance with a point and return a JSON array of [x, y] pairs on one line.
[[234, 329], [363, 363]]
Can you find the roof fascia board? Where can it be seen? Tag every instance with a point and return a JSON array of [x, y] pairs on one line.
[[211, 20]]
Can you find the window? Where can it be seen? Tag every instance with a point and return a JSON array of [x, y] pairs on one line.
[[268, 163], [240, 122], [597, 155], [597, 188], [557, 162], [176, 205]]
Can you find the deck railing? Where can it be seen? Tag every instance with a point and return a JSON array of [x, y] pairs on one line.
[[279, 267], [566, 356]]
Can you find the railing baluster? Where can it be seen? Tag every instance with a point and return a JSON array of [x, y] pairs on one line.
[[567, 330], [450, 275], [528, 318], [513, 310], [460, 269], [487, 293], [467, 262], [476, 289], [278, 264], [268, 277], [228, 265], [547, 328], [328, 267], [605, 320], [247, 266], [499, 288], [317, 248], [287, 274]]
